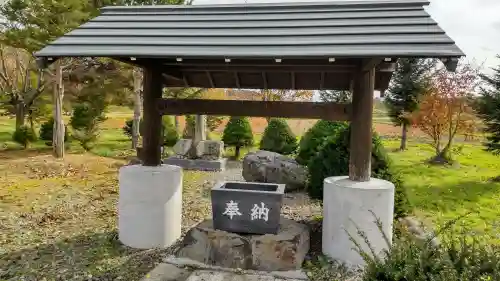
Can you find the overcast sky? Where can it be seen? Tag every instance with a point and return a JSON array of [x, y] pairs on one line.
[[473, 24]]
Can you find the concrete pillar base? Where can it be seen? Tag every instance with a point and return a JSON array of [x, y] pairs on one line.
[[150, 206], [347, 206]]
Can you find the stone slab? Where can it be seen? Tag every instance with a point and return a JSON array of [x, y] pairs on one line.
[[281, 252], [182, 146], [198, 164], [244, 207], [207, 275], [186, 262], [167, 272], [210, 148]]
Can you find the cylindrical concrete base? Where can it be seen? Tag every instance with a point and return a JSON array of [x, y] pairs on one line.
[[150, 206], [347, 206]]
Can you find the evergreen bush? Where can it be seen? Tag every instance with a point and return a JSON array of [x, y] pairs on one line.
[[333, 160], [279, 138], [170, 134], [85, 123], [459, 256], [47, 129], [313, 140], [238, 133], [24, 135]]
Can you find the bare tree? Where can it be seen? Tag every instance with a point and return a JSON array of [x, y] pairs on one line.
[[17, 68]]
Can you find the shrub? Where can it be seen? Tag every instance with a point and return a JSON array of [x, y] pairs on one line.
[[278, 137], [47, 132], [128, 127], [238, 133], [313, 140], [458, 258], [333, 160], [85, 123], [24, 135], [170, 134]]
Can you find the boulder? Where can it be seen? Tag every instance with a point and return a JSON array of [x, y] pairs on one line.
[[271, 167], [284, 251]]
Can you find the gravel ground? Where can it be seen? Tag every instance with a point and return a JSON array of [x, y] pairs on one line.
[[297, 206]]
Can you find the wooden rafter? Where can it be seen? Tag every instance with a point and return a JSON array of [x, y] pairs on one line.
[[210, 79], [264, 79], [237, 79]]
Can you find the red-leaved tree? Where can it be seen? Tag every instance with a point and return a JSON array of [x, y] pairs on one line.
[[447, 107]]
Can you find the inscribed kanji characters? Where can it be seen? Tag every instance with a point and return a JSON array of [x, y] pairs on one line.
[[261, 212], [232, 209]]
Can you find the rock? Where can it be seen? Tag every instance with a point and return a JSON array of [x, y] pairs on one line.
[[182, 146], [167, 272], [271, 167], [283, 251], [205, 244], [134, 161], [210, 150]]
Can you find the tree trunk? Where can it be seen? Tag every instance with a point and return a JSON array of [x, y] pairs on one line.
[[438, 147], [237, 152], [137, 109], [177, 123], [200, 132], [404, 136], [20, 114], [58, 134]]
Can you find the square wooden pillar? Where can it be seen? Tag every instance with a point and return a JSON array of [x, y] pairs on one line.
[[151, 139], [361, 125]]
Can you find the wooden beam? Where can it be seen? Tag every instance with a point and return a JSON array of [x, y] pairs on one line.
[[268, 68], [151, 141], [322, 81], [292, 74], [306, 110], [368, 64], [361, 125]]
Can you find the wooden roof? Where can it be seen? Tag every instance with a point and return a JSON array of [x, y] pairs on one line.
[[283, 45]]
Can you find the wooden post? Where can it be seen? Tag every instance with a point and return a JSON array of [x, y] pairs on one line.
[[361, 125], [151, 141]]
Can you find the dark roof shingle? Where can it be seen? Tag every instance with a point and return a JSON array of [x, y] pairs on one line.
[[385, 28]]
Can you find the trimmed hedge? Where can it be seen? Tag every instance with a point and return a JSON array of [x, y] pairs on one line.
[[333, 160], [314, 139], [170, 134], [238, 133], [279, 138]]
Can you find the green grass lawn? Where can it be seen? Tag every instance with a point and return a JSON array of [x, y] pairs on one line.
[[59, 216], [443, 193]]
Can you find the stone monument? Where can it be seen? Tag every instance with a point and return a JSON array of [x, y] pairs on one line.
[[198, 153]]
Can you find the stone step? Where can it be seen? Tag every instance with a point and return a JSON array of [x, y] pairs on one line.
[[207, 275]]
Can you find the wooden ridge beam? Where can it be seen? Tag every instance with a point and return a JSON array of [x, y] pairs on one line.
[[304, 110]]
